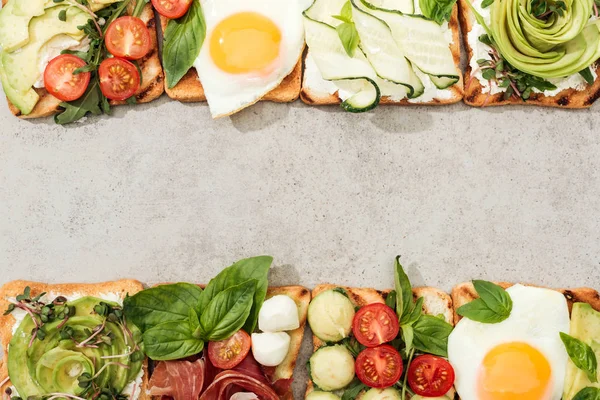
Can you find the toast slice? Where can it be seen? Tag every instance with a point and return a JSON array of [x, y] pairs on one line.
[[190, 90], [435, 302], [313, 96], [475, 96], [14, 288], [465, 292], [152, 86]]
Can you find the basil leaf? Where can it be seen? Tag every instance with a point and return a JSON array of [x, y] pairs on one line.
[[588, 393], [183, 40], [353, 390], [160, 304], [437, 10], [414, 314], [90, 102], [404, 295], [347, 11], [431, 335], [227, 312], [486, 3], [493, 305], [173, 340], [390, 300], [243, 270], [353, 346], [587, 75], [349, 37], [408, 336], [582, 356]]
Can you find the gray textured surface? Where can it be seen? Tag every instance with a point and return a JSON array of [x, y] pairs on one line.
[[161, 192]]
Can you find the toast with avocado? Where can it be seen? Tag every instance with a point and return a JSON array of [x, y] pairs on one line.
[[71, 340], [353, 327], [55, 59], [418, 66], [535, 71]]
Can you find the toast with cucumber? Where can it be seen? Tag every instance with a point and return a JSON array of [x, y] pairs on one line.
[[70, 340], [362, 53], [57, 57], [551, 59], [369, 343]]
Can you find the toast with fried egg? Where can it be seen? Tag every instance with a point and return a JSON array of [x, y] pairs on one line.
[[12, 289]]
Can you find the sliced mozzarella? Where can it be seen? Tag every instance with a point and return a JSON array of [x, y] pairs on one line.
[[279, 313], [270, 349]]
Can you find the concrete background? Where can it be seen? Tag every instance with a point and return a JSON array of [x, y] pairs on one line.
[[161, 192]]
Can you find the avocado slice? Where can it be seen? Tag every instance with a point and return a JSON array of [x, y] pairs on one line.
[[26, 100], [14, 22], [585, 326], [55, 364]]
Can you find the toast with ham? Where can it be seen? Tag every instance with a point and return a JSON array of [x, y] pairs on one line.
[[12, 289], [465, 293], [435, 302]]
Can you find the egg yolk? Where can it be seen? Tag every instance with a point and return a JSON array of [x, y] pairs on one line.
[[245, 42], [514, 371]]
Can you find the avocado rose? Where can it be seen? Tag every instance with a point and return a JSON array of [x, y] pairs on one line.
[[81, 348], [549, 45]]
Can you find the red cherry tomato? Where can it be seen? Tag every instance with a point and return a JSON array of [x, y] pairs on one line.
[[375, 324], [119, 79], [228, 353], [60, 81], [430, 376], [128, 37], [172, 8], [379, 367]]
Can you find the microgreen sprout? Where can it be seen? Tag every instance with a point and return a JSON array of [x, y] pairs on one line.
[[543, 9]]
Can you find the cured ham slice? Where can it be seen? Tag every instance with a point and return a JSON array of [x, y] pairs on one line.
[[180, 380], [231, 380]]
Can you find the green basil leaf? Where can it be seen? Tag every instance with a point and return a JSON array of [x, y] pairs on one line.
[[227, 312], [588, 393], [390, 300], [353, 390], [582, 355], [183, 40], [408, 336], [347, 11], [496, 298], [349, 37], [587, 75], [173, 340], [477, 310], [353, 346], [437, 10], [431, 335], [243, 270], [160, 304], [486, 3], [414, 314], [404, 294]]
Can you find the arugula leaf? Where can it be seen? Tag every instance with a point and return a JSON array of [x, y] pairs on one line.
[[227, 312], [587, 75], [243, 270], [431, 335], [437, 10], [493, 305], [161, 304], [353, 346], [90, 102], [183, 40], [173, 340], [588, 393], [353, 390], [582, 355], [139, 7]]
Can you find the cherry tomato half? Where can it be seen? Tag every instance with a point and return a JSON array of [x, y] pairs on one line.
[[375, 324], [430, 376], [60, 81], [228, 353], [128, 37], [119, 79], [379, 367], [172, 8]]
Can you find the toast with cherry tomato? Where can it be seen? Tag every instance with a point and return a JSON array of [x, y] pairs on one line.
[[114, 60], [372, 350]]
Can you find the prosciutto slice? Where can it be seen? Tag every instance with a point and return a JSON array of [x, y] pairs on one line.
[[180, 380], [221, 388]]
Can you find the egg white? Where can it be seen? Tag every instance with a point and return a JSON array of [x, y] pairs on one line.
[[228, 93], [537, 317]]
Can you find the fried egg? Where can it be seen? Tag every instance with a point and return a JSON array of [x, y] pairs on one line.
[[250, 47], [520, 358]]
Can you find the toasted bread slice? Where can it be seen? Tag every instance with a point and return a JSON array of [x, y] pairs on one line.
[[190, 90], [474, 95], [465, 292], [312, 96], [14, 288], [435, 302], [152, 86]]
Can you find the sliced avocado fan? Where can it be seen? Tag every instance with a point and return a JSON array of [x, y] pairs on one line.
[[552, 47]]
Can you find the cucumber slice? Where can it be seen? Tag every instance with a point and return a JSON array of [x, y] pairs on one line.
[[382, 394], [403, 6], [443, 82], [330, 316], [332, 367], [363, 100], [318, 395]]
